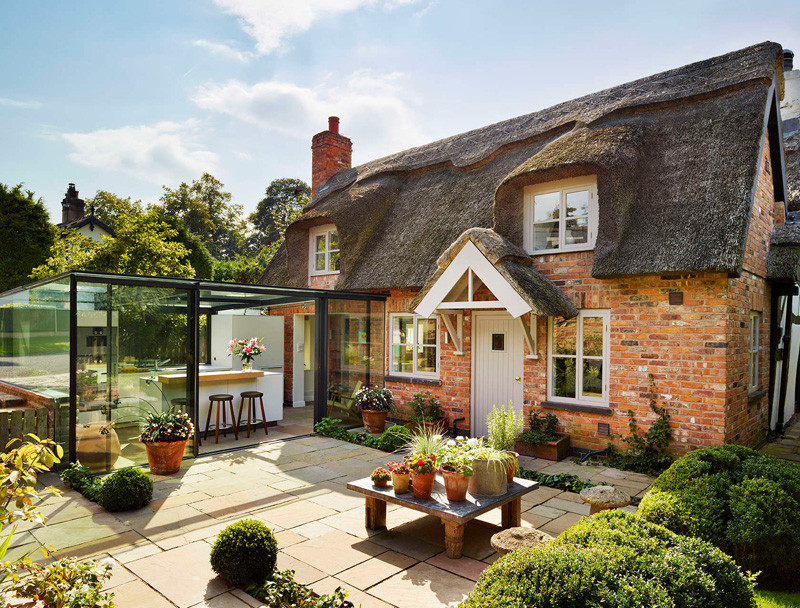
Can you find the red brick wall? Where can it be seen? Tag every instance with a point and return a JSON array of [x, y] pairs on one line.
[[330, 152], [323, 281]]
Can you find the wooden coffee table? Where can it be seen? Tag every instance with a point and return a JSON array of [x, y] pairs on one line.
[[454, 515]]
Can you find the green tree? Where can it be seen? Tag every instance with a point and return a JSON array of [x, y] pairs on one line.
[[199, 256], [26, 235], [109, 208], [208, 212], [144, 245], [282, 196]]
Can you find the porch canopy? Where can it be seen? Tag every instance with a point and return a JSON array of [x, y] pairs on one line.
[[481, 257]]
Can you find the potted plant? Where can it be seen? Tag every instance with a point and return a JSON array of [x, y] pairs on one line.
[[424, 469], [246, 350], [541, 439], [375, 404], [401, 475], [490, 468], [426, 410], [456, 466], [164, 435], [505, 427], [380, 477]]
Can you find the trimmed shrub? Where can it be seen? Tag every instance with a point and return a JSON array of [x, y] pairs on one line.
[[745, 503], [245, 553], [125, 490], [394, 438], [613, 560]]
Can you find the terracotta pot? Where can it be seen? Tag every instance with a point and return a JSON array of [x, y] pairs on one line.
[[490, 478], [438, 426], [423, 485], [455, 485], [381, 484], [549, 450], [165, 456], [98, 446], [374, 420], [512, 466], [400, 482]]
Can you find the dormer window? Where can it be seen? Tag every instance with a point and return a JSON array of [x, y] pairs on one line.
[[561, 215], [324, 254]]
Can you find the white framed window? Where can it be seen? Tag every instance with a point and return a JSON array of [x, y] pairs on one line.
[[414, 346], [560, 215], [755, 348], [578, 358], [323, 255]]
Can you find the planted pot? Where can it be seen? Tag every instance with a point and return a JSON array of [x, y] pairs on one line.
[[455, 485], [98, 446], [165, 457], [512, 466], [549, 450], [374, 420], [423, 484], [437, 426], [490, 478], [400, 482], [383, 483]]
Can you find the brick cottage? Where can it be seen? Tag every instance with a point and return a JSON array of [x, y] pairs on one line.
[[558, 259]]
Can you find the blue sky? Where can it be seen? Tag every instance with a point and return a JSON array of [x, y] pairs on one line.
[[130, 96]]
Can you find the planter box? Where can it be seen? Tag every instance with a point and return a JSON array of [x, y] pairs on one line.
[[550, 450]]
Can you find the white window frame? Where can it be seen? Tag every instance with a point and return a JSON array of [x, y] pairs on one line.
[[754, 350], [579, 398], [312, 250], [563, 187], [415, 373]]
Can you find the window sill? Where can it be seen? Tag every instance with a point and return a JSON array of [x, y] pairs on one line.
[[323, 274], [414, 380], [577, 407], [555, 251], [755, 395]]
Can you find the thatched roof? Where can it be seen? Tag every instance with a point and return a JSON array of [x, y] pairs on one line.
[[783, 261], [516, 266], [676, 155]]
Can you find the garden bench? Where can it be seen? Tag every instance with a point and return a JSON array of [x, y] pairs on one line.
[[454, 515]]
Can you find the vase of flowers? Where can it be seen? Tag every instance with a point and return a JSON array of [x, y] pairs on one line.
[[375, 404], [164, 435], [246, 350], [424, 468]]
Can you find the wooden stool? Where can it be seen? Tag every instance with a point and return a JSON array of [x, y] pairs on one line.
[[220, 401], [251, 397], [179, 403]]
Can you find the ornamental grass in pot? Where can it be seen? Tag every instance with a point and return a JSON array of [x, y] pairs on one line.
[[425, 442], [456, 466], [164, 435], [424, 469], [490, 467], [375, 404], [401, 476], [505, 427]]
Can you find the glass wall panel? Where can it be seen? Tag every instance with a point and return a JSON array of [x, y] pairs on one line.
[[34, 351], [132, 355], [355, 354]]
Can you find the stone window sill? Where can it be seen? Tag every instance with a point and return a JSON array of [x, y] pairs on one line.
[[603, 410], [413, 380], [756, 394]]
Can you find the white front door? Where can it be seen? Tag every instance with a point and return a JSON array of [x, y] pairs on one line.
[[497, 366]]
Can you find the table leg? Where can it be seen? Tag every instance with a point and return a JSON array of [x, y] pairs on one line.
[[512, 514], [453, 539], [375, 513]]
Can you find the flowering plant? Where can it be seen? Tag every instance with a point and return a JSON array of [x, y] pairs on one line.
[[421, 465], [456, 457], [246, 350], [374, 399], [166, 426], [380, 475], [399, 468]]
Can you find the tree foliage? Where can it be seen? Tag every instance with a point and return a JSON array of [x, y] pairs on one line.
[[26, 235], [208, 212], [284, 195], [110, 208]]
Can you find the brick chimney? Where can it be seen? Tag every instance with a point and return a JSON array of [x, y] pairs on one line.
[[72, 207], [330, 152]]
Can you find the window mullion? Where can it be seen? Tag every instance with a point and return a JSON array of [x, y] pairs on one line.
[[579, 358], [414, 346]]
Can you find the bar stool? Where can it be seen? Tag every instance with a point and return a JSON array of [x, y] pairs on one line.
[[251, 397], [220, 401]]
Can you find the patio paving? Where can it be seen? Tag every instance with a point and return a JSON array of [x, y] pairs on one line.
[[161, 552]]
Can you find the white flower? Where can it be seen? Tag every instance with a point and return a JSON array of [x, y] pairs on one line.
[[472, 442], [451, 443], [460, 438], [437, 437]]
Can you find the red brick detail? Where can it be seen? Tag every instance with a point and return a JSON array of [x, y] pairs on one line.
[[323, 281], [330, 153]]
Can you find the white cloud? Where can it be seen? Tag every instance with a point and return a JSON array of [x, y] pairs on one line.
[[270, 22], [5, 102], [160, 153], [224, 50], [377, 111]]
